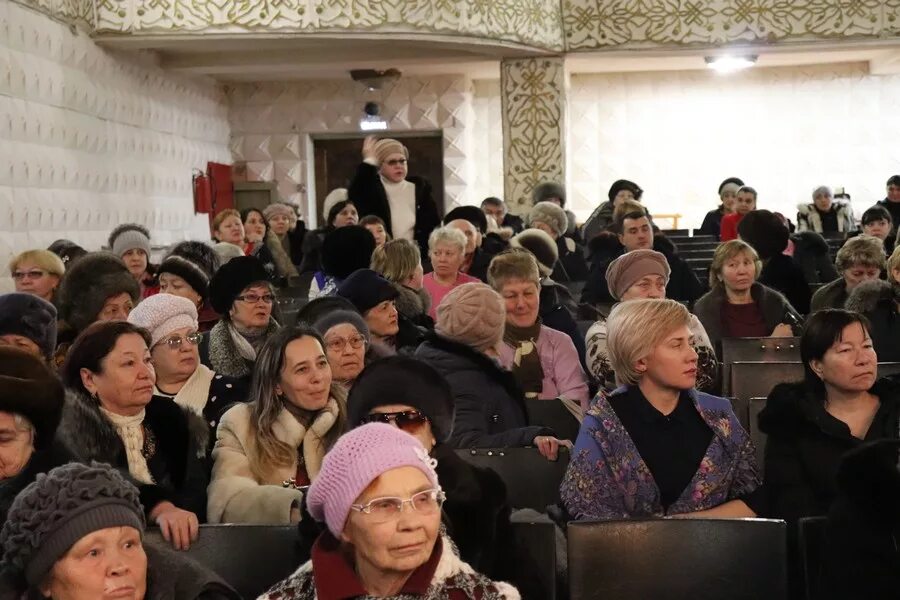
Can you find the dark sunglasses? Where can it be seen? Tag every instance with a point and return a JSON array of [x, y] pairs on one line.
[[407, 420]]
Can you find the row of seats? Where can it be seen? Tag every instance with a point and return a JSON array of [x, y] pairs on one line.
[[676, 559]]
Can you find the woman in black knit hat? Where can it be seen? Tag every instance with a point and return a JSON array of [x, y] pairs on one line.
[[77, 534], [186, 271], [344, 250]]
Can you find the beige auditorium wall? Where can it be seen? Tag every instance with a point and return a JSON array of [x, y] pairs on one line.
[[91, 139], [783, 130], [272, 126]]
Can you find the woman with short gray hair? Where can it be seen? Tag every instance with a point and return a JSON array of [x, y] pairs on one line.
[[447, 250], [860, 260], [825, 214]]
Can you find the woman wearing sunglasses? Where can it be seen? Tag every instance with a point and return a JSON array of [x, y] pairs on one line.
[[381, 188], [239, 291], [175, 356], [476, 510], [380, 499], [269, 450]]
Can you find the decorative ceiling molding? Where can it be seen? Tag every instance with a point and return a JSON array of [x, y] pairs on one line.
[[617, 24]]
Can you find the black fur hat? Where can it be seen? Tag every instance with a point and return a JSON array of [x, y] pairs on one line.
[[549, 189], [234, 276], [424, 389], [87, 285], [347, 249], [29, 388], [472, 214], [31, 317], [763, 230]]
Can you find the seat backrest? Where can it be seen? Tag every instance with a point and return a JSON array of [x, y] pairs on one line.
[[888, 368], [765, 349], [756, 379], [250, 558], [535, 555], [811, 539], [553, 414], [531, 480], [678, 559], [757, 436]]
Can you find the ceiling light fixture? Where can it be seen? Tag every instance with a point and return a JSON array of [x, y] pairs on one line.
[[730, 64]]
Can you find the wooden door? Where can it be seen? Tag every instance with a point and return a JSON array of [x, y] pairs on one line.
[[336, 160]]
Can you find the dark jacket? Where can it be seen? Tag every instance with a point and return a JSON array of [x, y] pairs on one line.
[[683, 283], [571, 265], [368, 195], [414, 305], [490, 407], [891, 207], [178, 463], [712, 223], [860, 557], [312, 250], [480, 263], [293, 243], [804, 446], [219, 352], [878, 301], [600, 220], [41, 461], [513, 222], [783, 274], [556, 312], [175, 576], [775, 309], [830, 295], [811, 252]]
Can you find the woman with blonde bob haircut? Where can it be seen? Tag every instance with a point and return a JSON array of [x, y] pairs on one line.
[[37, 272], [544, 361], [400, 262], [737, 305], [656, 446], [269, 450]]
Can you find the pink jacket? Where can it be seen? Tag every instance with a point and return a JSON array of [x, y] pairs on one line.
[[563, 376]]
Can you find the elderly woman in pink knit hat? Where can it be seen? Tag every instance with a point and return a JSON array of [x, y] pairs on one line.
[[465, 348], [381, 188], [375, 545]]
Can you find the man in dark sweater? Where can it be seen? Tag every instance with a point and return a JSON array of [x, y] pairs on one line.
[[892, 200]]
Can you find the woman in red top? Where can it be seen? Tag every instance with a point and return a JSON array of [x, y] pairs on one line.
[[743, 204]]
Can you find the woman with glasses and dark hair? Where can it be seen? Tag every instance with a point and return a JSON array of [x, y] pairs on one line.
[[239, 291], [476, 510], [811, 424], [111, 416], [174, 353], [268, 451], [346, 337], [376, 546], [381, 188]]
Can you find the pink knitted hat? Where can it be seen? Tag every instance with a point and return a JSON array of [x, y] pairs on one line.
[[356, 460], [161, 314]]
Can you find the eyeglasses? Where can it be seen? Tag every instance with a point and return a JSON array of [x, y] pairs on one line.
[[395, 162], [32, 274], [407, 420], [382, 510], [254, 298], [175, 342], [338, 344]]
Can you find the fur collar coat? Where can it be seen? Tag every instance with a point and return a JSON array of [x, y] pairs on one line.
[[239, 495], [175, 445], [219, 353]]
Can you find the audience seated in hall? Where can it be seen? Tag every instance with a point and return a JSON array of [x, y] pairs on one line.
[[287, 228], [261, 242], [878, 301], [28, 323], [891, 200], [739, 306], [877, 222], [497, 208], [859, 260], [447, 253], [338, 212], [825, 214], [186, 271], [602, 217], [473, 224], [131, 243], [744, 202], [551, 219], [37, 272], [375, 298], [400, 262], [344, 250], [712, 222], [555, 193], [656, 447]]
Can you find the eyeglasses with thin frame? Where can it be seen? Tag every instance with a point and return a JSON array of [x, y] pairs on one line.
[[396, 161], [176, 341], [407, 420], [32, 274], [254, 298], [338, 344], [382, 510]]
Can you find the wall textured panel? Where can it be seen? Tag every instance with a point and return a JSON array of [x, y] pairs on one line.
[[785, 131], [533, 95], [90, 139], [272, 125]]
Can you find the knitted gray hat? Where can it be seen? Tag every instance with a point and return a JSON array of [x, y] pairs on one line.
[[339, 317], [128, 237], [59, 508], [547, 190], [550, 214]]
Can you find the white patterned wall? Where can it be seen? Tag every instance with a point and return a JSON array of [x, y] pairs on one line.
[[271, 125], [784, 131], [90, 139]]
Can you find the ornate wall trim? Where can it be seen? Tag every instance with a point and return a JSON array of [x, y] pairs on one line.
[[534, 23], [73, 12], [607, 24], [533, 95]]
